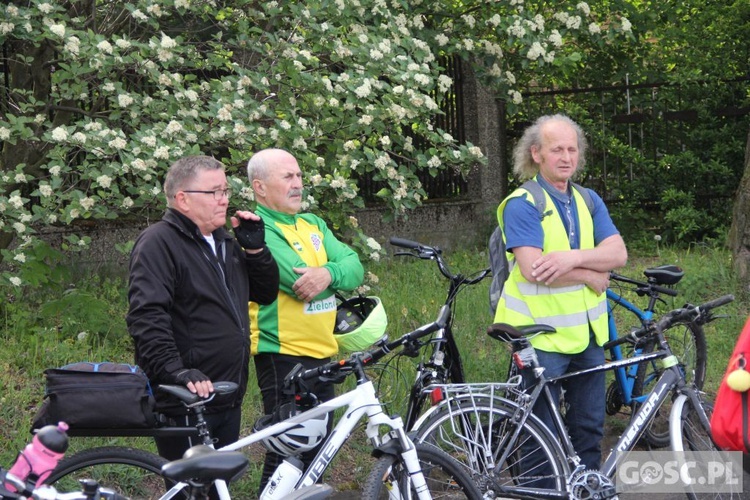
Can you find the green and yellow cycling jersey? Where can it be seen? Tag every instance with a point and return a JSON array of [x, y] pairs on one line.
[[290, 326]]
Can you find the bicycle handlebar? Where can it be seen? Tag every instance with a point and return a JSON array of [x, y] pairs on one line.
[[624, 279], [434, 253], [688, 313], [404, 243], [346, 366]]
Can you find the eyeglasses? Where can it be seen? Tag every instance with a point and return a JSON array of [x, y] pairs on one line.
[[218, 194]]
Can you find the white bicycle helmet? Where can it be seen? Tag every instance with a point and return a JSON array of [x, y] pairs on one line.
[[301, 438], [360, 322]]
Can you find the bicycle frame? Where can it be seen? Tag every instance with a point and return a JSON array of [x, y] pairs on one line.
[[445, 350], [362, 401], [626, 377], [359, 402], [671, 379]]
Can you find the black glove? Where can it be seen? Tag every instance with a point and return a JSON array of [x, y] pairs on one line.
[[251, 234], [182, 377]]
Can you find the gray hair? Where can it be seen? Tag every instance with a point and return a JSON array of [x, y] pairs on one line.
[[524, 166], [261, 162], [184, 170]]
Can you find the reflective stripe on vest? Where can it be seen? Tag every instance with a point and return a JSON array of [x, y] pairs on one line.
[[570, 309]]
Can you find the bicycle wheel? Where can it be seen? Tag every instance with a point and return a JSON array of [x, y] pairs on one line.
[[477, 430], [446, 478], [130, 472], [691, 434], [688, 343]]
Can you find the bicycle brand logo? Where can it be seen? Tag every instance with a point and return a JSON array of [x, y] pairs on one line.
[[642, 418], [679, 472]]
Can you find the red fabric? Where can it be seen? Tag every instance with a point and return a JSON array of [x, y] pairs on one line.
[[729, 422]]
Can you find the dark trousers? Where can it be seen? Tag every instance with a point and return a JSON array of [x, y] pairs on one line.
[[584, 401], [270, 370]]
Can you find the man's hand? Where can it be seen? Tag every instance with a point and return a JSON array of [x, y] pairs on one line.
[[196, 381], [249, 231], [598, 281], [551, 266], [311, 282]]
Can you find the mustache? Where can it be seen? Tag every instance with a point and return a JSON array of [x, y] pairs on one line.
[[294, 192]]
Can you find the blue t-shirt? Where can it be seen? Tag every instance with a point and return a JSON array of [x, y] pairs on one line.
[[523, 228]]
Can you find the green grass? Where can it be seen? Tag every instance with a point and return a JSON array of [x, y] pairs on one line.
[[37, 332]]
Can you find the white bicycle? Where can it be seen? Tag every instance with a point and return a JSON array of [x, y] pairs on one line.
[[403, 469]]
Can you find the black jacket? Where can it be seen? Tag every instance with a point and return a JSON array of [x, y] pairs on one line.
[[185, 314]]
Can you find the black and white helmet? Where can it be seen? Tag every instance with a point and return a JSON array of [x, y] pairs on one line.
[[301, 438]]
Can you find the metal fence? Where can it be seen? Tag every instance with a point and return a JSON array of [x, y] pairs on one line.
[[447, 184], [656, 119]]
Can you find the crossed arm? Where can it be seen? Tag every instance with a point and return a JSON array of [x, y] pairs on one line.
[[572, 267]]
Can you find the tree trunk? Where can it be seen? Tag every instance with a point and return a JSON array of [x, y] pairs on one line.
[[739, 234]]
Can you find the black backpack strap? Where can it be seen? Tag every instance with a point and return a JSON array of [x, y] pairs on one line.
[[537, 193], [540, 201], [586, 195]]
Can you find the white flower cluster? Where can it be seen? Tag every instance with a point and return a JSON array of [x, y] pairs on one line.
[[516, 29], [58, 30], [59, 134], [375, 247], [104, 181], [535, 51], [555, 38]]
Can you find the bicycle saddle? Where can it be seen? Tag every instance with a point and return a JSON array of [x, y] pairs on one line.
[[183, 394], [664, 275], [205, 465], [507, 333]]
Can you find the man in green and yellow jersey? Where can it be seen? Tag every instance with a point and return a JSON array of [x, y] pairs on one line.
[[313, 265]]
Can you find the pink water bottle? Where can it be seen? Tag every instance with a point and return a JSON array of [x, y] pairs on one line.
[[42, 454]]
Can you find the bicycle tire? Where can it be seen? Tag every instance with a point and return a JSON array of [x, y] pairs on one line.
[[131, 472], [446, 478], [688, 342], [475, 430], [690, 434]]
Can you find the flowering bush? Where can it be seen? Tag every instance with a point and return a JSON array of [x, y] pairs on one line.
[[118, 91]]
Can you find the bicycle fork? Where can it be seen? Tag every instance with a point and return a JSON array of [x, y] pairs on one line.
[[396, 442]]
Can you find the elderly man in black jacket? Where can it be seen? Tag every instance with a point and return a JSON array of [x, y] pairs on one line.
[[190, 282]]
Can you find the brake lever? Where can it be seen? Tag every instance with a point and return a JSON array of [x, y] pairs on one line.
[[335, 377], [408, 254], [411, 348]]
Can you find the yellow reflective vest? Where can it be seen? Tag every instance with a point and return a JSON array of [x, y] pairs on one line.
[[570, 309]]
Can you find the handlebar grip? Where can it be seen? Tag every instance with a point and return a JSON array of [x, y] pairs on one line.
[[665, 291], [726, 299], [403, 243]]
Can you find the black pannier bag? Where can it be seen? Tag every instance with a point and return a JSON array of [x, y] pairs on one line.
[[97, 396]]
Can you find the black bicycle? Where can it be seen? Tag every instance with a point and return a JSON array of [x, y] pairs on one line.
[[492, 428], [443, 365]]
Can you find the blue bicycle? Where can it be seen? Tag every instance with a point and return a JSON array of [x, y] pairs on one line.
[[633, 383]]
